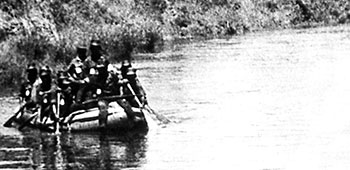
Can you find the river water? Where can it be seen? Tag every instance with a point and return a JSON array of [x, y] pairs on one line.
[[276, 100]]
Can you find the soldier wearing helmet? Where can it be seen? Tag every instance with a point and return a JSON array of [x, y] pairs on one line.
[[95, 66], [76, 67], [65, 91], [76, 74], [126, 64], [30, 83], [45, 95], [96, 57], [80, 58], [77, 78], [136, 86], [45, 77]]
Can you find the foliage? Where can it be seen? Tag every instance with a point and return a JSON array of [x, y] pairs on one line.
[[49, 31]]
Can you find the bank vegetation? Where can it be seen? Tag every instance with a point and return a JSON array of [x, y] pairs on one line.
[[48, 31]]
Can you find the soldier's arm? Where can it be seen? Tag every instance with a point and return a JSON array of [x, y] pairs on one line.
[[141, 89], [142, 92], [22, 90]]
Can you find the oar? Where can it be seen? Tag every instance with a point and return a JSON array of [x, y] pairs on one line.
[[134, 95], [148, 118], [8, 123], [28, 121], [158, 116], [57, 129]]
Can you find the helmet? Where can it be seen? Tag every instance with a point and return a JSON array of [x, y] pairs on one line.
[[31, 67], [126, 63], [131, 73], [95, 45], [45, 70], [81, 50], [62, 79], [45, 76], [62, 75], [32, 70]]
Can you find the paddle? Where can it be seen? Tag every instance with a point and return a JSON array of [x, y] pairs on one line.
[[148, 118], [8, 123], [27, 121], [57, 116], [158, 116]]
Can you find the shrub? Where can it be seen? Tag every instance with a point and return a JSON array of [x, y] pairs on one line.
[[49, 31]]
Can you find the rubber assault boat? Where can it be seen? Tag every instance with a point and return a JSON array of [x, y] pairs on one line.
[[115, 115]]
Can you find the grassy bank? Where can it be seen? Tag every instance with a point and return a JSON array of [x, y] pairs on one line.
[[49, 31]]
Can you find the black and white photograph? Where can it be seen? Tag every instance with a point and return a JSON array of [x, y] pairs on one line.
[[174, 85]]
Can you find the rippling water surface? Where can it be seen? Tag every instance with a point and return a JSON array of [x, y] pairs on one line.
[[273, 100]]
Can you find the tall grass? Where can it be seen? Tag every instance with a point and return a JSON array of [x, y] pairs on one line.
[[49, 31]]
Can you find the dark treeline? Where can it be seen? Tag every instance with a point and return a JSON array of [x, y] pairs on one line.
[[48, 31]]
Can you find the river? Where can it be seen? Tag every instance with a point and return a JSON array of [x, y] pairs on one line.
[[276, 100]]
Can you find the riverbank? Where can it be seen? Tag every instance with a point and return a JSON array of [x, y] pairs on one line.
[[49, 31]]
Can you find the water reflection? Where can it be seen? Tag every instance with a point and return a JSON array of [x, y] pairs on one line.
[[73, 151]]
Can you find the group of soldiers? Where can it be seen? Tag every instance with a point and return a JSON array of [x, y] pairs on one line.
[[87, 78]]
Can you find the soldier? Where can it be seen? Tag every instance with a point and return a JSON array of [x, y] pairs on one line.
[[126, 64], [131, 89], [102, 73], [46, 79], [95, 84], [114, 81], [65, 91], [31, 81], [96, 57], [80, 58], [27, 93], [76, 70], [76, 74], [96, 69], [77, 78], [45, 95], [135, 86]]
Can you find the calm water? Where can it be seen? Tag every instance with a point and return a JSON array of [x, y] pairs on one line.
[[268, 101]]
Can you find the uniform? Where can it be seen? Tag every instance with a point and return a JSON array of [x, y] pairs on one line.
[[45, 95], [28, 86], [136, 87]]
